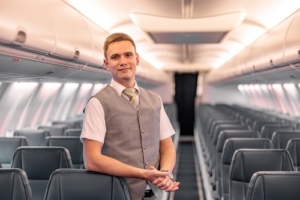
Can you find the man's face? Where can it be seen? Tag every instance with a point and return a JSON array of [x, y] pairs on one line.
[[121, 62]]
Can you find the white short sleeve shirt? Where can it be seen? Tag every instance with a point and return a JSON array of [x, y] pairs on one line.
[[94, 127]]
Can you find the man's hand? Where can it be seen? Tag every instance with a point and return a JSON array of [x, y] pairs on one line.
[[164, 182]]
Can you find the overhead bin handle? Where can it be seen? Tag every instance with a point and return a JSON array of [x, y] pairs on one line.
[[20, 36], [76, 54]]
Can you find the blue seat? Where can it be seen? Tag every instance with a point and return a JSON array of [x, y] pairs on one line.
[[274, 186], [246, 162], [73, 144], [55, 130], [230, 146], [34, 137], [39, 163], [293, 147], [72, 132], [281, 138], [8, 146], [14, 185], [79, 184]]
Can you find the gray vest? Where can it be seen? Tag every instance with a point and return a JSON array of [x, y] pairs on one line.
[[132, 136]]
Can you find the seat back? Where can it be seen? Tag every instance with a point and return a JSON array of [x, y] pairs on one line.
[[293, 147], [224, 135], [281, 138], [69, 124], [246, 162], [39, 163], [8, 146], [78, 184], [0, 164], [268, 130], [34, 137], [274, 186], [230, 146], [73, 144], [72, 132], [14, 185], [55, 130]]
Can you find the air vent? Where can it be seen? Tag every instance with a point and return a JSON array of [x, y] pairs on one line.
[[77, 54], [50, 72], [187, 38], [21, 37]]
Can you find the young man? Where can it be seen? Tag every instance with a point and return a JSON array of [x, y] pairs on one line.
[[129, 134]]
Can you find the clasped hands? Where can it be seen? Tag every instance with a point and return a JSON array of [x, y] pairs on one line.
[[162, 180]]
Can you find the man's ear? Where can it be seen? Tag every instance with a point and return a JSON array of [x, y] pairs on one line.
[[137, 58], [106, 64]]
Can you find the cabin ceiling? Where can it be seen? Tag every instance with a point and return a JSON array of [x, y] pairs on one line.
[[188, 35]]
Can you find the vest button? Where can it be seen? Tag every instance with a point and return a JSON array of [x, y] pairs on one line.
[[142, 131], [144, 147], [140, 116], [146, 163]]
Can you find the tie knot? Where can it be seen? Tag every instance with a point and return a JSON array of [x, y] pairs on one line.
[[129, 92]]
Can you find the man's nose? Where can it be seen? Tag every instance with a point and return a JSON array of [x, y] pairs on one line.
[[123, 61]]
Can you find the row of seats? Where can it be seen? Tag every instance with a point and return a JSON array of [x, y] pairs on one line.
[[37, 137], [64, 184], [9, 145], [221, 123]]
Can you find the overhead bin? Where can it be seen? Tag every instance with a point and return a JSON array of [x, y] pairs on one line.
[[257, 54], [292, 41], [98, 36], [27, 24], [274, 43], [72, 37]]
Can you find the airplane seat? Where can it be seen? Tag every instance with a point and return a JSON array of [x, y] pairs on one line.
[[293, 147], [268, 130], [14, 185], [72, 132], [78, 184], [0, 164], [34, 137], [246, 162], [73, 144], [230, 146], [69, 124], [55, 130], [39, 163], [224, 135], [8, 146], [274, 186], [281, 138]]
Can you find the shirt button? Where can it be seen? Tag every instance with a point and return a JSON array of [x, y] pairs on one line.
[[146, 163], [144, 147], [142, 131], [140, 116]]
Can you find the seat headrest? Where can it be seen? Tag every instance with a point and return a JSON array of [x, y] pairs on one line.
[[246, 162], [40, 162], [14, 185]]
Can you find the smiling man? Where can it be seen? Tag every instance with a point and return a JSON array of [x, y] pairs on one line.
[[126, 131]]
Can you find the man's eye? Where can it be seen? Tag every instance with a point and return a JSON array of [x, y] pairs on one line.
[[128, 55], [114, 57]]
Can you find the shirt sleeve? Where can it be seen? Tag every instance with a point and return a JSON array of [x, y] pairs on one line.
[[94, 127], [166, 128]]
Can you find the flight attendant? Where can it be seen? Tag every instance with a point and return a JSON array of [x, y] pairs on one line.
[[126, 131]]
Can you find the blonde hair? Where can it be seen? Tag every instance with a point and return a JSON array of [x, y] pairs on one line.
[[116, 37]]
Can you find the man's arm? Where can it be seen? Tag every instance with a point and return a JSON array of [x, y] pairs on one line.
[[95, 161], [167, 162]]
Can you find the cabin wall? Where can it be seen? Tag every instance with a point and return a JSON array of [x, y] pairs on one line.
[[29, 104], [280, 98], [228, 94]]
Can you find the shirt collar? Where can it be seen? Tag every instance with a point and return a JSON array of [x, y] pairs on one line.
[[119, 88]]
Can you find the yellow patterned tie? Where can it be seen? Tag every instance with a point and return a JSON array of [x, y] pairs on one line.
[[129, 92]]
